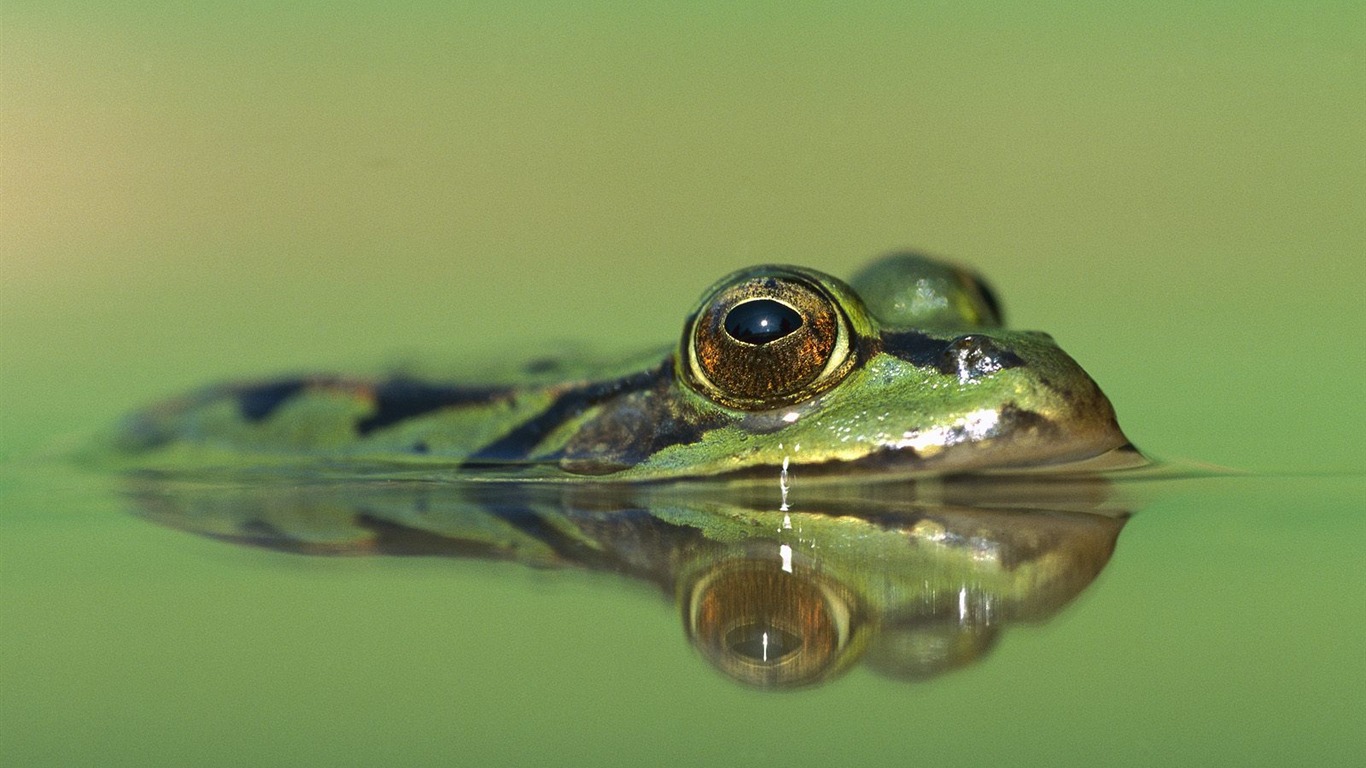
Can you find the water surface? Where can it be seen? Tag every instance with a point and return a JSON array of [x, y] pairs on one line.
[[1173, 193]]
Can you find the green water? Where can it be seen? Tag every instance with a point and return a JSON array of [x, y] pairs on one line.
[[1176, 194]]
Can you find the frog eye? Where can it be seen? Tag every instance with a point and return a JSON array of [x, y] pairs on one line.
[[766, 338], [911, 290], [769, 628]]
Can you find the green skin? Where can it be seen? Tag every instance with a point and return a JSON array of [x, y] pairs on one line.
[[922, 380]]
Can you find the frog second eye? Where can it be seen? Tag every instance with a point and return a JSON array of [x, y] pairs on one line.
[[767, 338]]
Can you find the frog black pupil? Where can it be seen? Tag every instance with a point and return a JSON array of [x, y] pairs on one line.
[[761, 321], [762, 643]]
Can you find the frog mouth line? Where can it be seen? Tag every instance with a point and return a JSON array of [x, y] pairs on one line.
[[893, 466]]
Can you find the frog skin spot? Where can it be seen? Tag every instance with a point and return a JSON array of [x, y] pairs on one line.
[[914, 347], [613, 440], [1015, 419], [966, 357], [517, 444], [398, 400], [542, 365], [973, 356], [257, 402]]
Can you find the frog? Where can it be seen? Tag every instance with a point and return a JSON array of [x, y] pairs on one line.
[[905, 370]]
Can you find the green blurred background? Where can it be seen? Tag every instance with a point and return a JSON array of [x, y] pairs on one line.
[[1177, 193]]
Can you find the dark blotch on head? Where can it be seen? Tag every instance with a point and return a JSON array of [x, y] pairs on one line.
[[914, 347], [258, 402], [761, 321], [970, 357], [1013, 418]]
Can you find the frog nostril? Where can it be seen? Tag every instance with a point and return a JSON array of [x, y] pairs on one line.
[[972, 356]]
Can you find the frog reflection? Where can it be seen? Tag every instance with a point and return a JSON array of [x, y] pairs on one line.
[[912, 600], [908, 579]]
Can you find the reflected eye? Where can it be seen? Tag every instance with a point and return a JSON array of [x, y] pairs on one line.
[[761, 643], [766, 627], [768, 337]]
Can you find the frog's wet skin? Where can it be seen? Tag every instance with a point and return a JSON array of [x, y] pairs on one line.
[[906, 370]]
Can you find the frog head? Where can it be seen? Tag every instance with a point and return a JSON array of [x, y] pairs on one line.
[[907, 368]]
